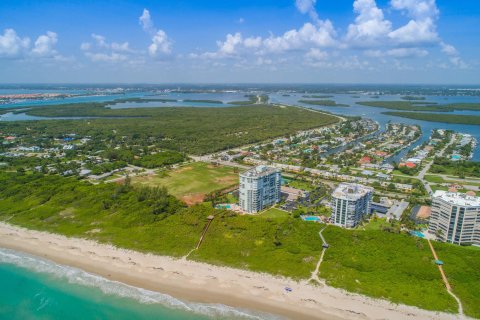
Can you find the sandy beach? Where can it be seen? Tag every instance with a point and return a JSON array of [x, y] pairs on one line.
[[199, 282]]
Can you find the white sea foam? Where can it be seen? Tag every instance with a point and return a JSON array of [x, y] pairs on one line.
[[108, 287]]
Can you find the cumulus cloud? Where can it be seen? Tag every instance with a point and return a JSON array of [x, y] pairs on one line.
[[103, 51], [302, 39], [453, 55], [399, 53], [146, 21], [161, 44], [11, 45], [316, 54], [45, 45], [308, 7], [421, 29], [370, 25], [106, 57]]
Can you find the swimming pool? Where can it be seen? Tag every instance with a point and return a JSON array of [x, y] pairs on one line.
[[311, 218], [417, 234]]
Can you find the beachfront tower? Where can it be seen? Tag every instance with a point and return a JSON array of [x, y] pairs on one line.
[[455, 217], [350, 202], [259, 188]]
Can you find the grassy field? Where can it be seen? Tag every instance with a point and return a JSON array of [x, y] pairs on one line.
[[395, 267], [274, 213], [463, 272], [192, 182], [434, 179]]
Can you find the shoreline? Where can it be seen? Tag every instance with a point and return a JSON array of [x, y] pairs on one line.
[[200, 282]]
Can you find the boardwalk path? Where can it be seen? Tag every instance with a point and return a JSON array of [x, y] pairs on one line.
[[445, 280]]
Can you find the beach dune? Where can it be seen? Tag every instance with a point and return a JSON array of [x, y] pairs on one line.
[[204, 283]]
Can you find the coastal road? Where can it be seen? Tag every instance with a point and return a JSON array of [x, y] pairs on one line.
[[421, 174]]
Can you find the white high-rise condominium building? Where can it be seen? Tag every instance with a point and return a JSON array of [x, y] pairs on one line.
[[455, 217], [259, 188], [350, 202]]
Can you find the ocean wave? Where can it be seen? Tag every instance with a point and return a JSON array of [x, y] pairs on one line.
[[79, 277]]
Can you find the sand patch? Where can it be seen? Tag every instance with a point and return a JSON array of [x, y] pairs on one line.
[[193, 198]]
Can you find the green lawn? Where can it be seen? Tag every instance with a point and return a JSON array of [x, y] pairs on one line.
[[376, 224], [274, 213], [193, 181], [434, 179], [299, 184]]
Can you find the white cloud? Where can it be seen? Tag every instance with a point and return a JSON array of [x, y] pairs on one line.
[[399, 53], [453, 55], [370, 25], [85, 46], [253, 42], [316, 54], [407, 52], [415, 33], [44, 45], [307, 36], [125, 47], [449, 50], [308, 6], [160, 44], [146, 22], [421, 29], [106, 57], [100, 40], [11, 45], [418, 9], [302, 39], [103, 51]]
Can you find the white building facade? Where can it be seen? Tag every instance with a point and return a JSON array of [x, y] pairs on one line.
[[350, 203], [259, 188], [455, 218]]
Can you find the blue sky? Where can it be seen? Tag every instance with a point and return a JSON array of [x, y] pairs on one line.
[[322, 41]]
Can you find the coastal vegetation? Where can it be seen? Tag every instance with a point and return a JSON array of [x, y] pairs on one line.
[[376, 262], [188, 130], [460, 169], [325, 103], [413, 98], [421, 106], [463, 273], [139, 100], [317, 96], [203, 101], [400, 268], [435, 117]]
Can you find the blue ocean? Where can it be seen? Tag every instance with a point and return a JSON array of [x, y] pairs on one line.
[[34, 288]]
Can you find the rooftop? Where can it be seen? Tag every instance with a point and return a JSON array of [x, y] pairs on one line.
[[457, 198], [351, 191], [259, 171]]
